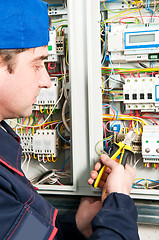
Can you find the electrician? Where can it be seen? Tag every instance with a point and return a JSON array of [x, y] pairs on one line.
[[24, 214]]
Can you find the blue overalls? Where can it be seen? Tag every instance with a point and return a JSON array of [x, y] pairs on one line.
[[25, 215]]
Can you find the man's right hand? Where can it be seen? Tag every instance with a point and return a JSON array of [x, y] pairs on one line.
[[116, 178]]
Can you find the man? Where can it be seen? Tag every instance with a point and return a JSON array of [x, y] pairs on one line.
[[24, 214]]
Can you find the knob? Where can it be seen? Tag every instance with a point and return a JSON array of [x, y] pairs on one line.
[[147, 150]]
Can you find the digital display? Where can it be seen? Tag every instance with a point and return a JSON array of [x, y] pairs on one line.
[[142, 38]]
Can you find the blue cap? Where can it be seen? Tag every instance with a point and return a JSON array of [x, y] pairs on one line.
[[23, 24]]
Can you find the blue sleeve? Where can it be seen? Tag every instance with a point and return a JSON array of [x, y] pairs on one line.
[[9, 206], [67, 228], [117, 220]]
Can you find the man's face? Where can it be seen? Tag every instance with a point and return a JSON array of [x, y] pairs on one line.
[[18, 91]]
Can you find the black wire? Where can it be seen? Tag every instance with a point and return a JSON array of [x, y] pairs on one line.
[[142, 65], [117, 80]]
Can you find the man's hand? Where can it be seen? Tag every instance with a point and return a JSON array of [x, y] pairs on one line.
[[88, 208], [116, 178]]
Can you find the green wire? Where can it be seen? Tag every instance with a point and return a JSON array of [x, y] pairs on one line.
[[62, 20], [45, 110]]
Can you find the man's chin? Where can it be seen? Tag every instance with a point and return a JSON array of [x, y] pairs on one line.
[[26, 114]]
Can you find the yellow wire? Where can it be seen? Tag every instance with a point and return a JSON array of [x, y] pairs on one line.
[[123, 117], [127, 3], [53, 160], [41, 110], [67, 53], [25, 121], [134, 69], [32, 131], [34, 156], [50, 109], [102, 40], [58, 27], [121, 14], [48, 158], [147, 183], [30, 121], [47, 110]]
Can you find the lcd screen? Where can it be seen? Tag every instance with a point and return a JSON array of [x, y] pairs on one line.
[[142, 38]]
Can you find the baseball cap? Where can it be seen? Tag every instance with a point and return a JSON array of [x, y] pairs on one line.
[[23, 24]]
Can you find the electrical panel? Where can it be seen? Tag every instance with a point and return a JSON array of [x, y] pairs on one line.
[[129, 82]]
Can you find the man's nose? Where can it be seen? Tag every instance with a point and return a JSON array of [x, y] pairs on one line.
[[45, 81]]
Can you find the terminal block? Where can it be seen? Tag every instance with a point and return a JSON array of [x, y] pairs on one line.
[[60, 42], [26, 143], [44, 142]]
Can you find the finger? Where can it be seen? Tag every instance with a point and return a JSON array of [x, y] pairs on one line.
[[104, 176], [108, 161], [131, 170], [101, 184], [90, 181], [97, 166], [94, 174], [107, 170]]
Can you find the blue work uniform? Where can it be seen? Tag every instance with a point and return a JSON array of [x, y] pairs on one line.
[[26, 215]]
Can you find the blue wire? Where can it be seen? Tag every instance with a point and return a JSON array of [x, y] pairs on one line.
[[63, 165], [112, 72], [59, 132], [109, 1], [134, 186], [116, 117], [111, 98], [108, 143], [147, 180], [147, 7]]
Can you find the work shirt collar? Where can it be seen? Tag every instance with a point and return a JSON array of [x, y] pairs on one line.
[[10, 148]]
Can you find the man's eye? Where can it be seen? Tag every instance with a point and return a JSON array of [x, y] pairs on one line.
[[39, 67]]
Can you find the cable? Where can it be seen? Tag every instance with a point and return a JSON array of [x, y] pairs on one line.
[[60, 134], [64, 118]]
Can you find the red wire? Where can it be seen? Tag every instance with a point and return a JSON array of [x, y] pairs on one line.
[[51, 68], [131, 74], [147, 117], [105, 135], [125, 18]]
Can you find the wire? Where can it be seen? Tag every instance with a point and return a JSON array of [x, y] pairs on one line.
[[112, 72], [64, 118], [60, 134]]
